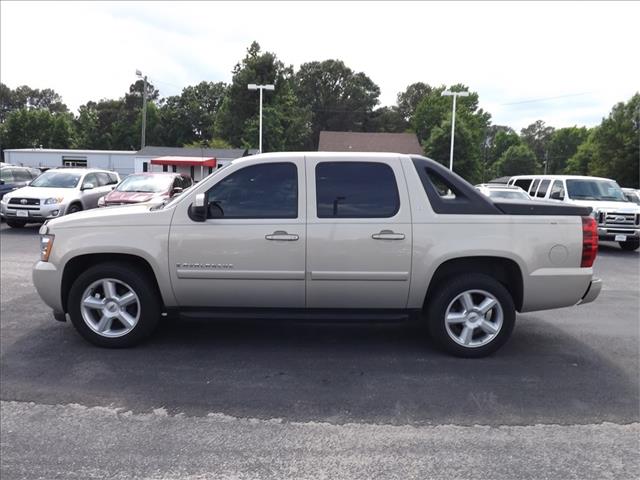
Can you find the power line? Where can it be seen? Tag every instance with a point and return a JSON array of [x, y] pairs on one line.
[[547, 98]]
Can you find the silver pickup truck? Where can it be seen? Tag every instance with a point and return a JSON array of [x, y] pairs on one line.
[[348, 236]]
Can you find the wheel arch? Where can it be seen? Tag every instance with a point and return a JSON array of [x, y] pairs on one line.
[[504, 270], [76, 265]]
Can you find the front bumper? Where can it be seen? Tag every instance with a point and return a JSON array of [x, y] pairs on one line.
[[32, 213], [47, 280], [610, 233], [592, 292]]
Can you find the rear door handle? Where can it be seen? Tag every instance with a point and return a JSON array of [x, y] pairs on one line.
[[282, 236], [387, 235]]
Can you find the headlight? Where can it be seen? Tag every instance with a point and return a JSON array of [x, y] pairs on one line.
[[53, 200], [46, 243]]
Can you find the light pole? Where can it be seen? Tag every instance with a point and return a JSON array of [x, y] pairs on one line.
[[455, 95], [253, 86], [144, 108]]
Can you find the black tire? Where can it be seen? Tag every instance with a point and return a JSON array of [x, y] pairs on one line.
[[141, 284], [73, 208], [14, 224], [447, 293], [629, 245]]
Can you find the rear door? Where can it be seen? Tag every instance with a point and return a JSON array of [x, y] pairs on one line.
[[359, 233], [90, 196]]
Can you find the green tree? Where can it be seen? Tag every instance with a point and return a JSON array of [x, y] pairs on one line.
[[30, 98], [537, 137], [432, 124], [386, 119], [339, 98], [578, 164], [563, 145], [285, 120], [616, 144], [32, 128], [517, 160], [409, 100], [465, 148]]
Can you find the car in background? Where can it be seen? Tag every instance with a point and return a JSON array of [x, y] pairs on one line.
[[57, 192], [146, 187], [12, 177], [618, 219], [632, 194], [505, 192]]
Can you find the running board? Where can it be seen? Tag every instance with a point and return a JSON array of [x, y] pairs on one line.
[[310, 315]]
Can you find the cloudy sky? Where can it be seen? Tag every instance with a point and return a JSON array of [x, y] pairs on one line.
[[565, 63]]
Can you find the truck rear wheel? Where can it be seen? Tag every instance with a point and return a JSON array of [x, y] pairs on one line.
[[112, 305], [630, 245], [471, 316]]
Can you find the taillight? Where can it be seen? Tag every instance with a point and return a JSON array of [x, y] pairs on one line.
[[589, 242]]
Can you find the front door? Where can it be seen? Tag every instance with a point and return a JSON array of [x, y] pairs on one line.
[[359, 234], [250, 251]]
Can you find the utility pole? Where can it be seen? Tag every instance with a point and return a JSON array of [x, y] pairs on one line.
[[144, 109], [253, 86], [455, 95]]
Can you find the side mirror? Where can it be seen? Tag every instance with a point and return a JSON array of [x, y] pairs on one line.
[[176, 191], [197, 210], [88, 186]]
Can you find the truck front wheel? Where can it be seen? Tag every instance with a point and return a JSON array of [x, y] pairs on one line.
[[630, 245], [113, 305], [471, 316]]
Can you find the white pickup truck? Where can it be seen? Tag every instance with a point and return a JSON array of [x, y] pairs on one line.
[[348, 236]]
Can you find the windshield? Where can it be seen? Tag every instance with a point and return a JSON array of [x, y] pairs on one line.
[[595, 190], [511, 195], [57, 180], [145, 183]]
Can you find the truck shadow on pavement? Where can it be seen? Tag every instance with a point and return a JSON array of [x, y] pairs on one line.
[[371, 373]]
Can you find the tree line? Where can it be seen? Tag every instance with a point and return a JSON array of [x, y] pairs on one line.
[[323, 95]]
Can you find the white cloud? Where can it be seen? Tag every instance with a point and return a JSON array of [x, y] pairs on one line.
[[508, 52]]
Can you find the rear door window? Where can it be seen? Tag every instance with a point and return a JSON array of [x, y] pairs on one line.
[[356, 190], [542, 190], [21, 175], [6, 175], [534, 187], [103, 179]]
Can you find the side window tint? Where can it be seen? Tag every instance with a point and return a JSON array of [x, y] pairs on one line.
[[356, 190], [523, 183], [542, 191], [21, 175], [103, 179], [6, 174], [113, 178], [90, 179], [557, 190], [534, 187], [268, 190]]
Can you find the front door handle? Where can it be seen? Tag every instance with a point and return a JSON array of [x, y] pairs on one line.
[[282, 236], [388, 235]]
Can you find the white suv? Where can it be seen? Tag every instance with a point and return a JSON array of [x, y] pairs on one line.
[[618, 218], [57, 192]]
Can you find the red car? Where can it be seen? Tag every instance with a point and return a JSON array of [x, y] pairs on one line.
[[146, 187]]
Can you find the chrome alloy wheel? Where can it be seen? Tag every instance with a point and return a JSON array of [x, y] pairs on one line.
[[110, 307], [474, 318]]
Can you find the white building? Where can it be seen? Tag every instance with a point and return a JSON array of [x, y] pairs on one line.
[[123, 162]]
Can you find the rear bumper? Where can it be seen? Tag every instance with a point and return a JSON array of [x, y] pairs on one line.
[[592, 292]]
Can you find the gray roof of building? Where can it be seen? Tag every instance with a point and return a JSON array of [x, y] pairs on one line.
[[152, 151], [369, 142]]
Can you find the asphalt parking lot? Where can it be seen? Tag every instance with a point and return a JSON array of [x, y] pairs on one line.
[[215, 399]]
